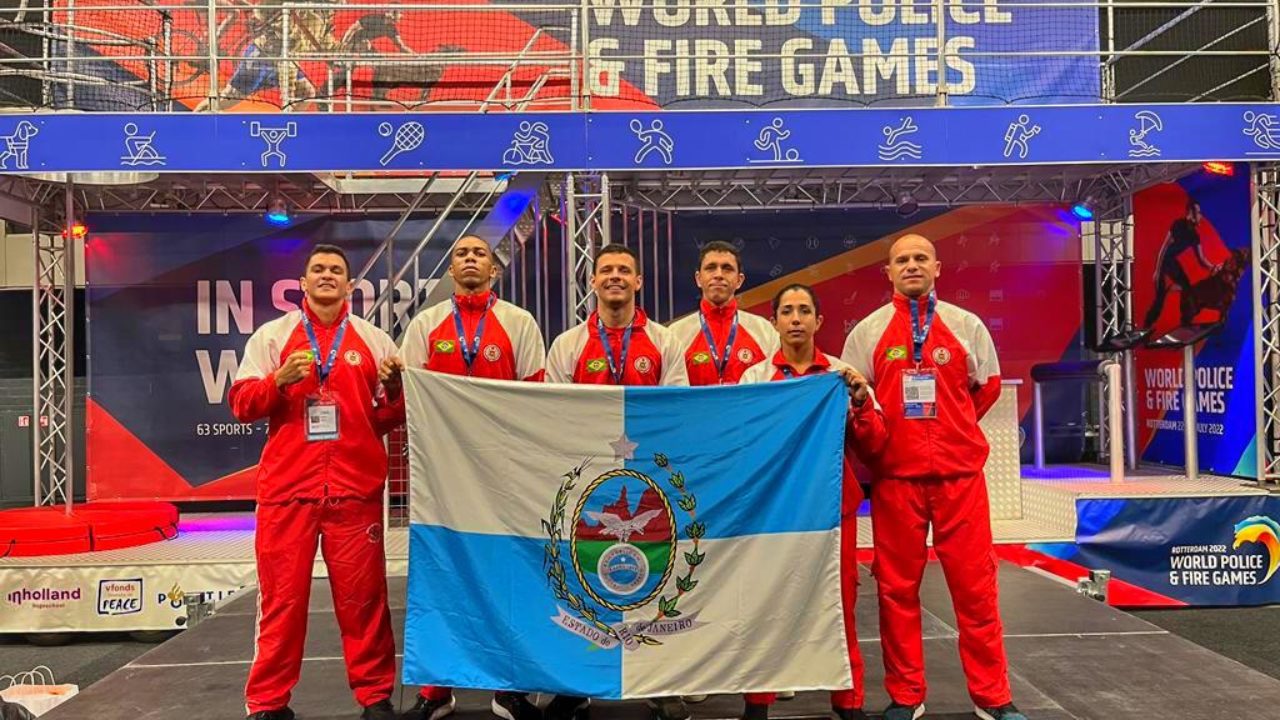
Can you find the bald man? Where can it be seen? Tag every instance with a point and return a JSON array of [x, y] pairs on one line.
[[935, 373]]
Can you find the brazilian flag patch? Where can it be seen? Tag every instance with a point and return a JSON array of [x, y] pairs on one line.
[[897, 352], [596, 365], [701, 358], [445, 346]]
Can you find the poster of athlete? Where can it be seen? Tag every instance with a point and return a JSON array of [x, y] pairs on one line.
[[1192, 266]]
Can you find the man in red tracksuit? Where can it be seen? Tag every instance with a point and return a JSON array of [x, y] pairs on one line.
[[474, 333], [617, 345], [935, 372], [329, 384], [719, 341], [797, 317]]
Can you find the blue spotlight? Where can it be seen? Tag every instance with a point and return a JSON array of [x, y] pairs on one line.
[[277, 212], [1082, 210]]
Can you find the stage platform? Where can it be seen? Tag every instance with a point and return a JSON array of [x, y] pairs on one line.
[[1048, 512], [213, 554], [1070, 657]]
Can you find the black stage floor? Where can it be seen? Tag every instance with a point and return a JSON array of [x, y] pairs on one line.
[[1070, 657]]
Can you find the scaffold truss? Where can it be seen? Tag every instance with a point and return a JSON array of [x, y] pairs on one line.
[[1113, 276], [1266, 320], [53, 355], [252, 193]]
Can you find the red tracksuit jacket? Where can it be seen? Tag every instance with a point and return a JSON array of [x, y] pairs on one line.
[[511, 346], [754, 342], [578, 356], [354, 465], [962, 356]]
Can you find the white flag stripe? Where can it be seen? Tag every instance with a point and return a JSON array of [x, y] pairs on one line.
[[779, 639], [523, 468]]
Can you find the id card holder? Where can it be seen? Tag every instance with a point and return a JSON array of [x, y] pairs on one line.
[[919, 395], [322, 418]]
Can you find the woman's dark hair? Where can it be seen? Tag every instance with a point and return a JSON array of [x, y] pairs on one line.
[[817, 308]]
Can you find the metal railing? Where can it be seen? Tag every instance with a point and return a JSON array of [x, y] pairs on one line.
[[337, 57]]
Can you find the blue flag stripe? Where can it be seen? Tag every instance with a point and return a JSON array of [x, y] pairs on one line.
[[480, 615], [756, 459]]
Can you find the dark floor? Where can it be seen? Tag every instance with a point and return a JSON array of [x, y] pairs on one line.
[[84, 659], [1250, 636], [1070, 657]]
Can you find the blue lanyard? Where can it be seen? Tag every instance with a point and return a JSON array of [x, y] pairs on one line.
[[621, 367], [920, 333], [327, 366], [469, 352], [721, 360]]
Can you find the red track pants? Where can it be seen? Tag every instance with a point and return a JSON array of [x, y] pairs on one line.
[[847, 699], [902, 511], [349, 533]]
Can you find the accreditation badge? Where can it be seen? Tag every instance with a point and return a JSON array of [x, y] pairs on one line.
[[322, 417], [919, 395]]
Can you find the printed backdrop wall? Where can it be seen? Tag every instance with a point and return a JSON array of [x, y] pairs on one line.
[[1018, 268], [172, 301]]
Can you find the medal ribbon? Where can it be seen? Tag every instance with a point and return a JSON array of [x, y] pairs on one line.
[[469, 352], [720, 360], [322, 373], [616, 370], [920, 333]]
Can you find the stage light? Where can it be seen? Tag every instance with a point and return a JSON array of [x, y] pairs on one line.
[[1224, 169], [277, 211], [907, 205], [78, 230], [1083, 210]]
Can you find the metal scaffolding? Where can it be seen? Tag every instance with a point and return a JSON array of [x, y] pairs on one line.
[[66, 54], [1113, 270], [651, 232], [53, 358], [587, 217], [1266, 320]]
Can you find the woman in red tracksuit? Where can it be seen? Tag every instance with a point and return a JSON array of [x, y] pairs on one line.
[[797, 317]]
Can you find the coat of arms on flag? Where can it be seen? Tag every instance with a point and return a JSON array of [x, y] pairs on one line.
[[618, 542], [625, 558]]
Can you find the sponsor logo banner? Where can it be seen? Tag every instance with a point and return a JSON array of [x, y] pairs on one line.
[[124, 598]]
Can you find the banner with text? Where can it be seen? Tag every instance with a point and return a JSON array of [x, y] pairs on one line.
[[171, 302], [823, 52], [1193, 551], [640, 54], [118, 598], [1192, 265]]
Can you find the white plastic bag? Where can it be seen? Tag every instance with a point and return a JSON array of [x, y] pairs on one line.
[[36, 690]]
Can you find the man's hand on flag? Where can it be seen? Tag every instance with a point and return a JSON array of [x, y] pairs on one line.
[[389, 373]]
